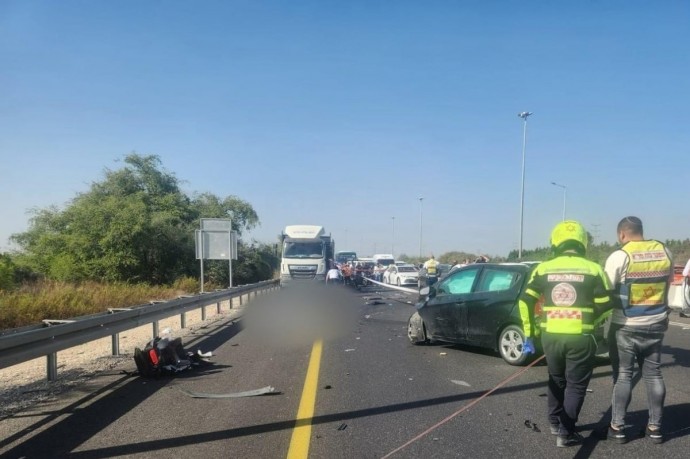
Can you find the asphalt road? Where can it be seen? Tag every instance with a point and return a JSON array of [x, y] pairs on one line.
[[375, 394]]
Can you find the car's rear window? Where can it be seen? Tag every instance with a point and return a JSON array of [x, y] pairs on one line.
[[495, 280]]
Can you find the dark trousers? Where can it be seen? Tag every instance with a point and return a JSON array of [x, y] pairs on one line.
[[570, 360]]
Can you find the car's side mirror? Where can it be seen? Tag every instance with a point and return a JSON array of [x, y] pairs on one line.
[[427, 292]]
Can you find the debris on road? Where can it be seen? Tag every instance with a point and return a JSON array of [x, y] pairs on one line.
[[342, 426], [442, 353], [530, 425], [328, 386], [268, 390], [349, 350], [460, 383]]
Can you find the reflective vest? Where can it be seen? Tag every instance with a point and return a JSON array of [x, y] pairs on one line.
[[431, 267], [645, 290], [572, 286]]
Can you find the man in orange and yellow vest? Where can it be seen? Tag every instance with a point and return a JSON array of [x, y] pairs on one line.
[[640, 273], [576, 299]]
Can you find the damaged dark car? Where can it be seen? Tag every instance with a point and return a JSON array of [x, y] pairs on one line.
[[477, 305]]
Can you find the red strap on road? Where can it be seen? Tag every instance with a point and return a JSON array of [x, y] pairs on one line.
[[464, 408]]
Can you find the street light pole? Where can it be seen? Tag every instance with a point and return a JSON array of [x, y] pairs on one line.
[[393, 241], [420, 227], [524, 116], [565, 190]]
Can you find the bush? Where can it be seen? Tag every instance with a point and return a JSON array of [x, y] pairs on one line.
[[7, 273]]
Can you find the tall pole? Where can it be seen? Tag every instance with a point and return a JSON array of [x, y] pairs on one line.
[[420, 226], [393, 238], [524, 116], [565, 191]]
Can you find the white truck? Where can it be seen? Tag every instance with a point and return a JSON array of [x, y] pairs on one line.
[[307, 251]]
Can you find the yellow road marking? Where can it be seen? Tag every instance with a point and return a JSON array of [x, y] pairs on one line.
[[301, 436]]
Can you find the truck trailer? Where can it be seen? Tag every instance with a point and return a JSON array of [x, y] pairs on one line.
[[307, 253]]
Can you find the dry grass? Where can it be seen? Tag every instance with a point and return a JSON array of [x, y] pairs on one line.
[[30, 304]]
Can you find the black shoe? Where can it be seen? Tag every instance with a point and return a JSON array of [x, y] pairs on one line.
[[655, 435], [573, 439], [617, 435]]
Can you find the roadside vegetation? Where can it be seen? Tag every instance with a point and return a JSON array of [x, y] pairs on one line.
[[128, 240]]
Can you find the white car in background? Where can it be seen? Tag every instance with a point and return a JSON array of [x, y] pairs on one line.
[[401, 275]]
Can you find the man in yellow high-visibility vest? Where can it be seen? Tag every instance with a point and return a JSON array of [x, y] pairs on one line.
[[575, 292], [640, 272]]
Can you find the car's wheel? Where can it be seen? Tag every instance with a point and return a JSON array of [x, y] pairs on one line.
[[510, 342], [416, 330]]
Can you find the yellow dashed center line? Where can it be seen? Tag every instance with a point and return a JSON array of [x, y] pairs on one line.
[[301, 436]]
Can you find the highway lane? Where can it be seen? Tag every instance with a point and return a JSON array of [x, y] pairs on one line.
[[374, 393]]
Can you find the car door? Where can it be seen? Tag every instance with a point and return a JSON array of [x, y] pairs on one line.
[[494, 299], [452, 296]]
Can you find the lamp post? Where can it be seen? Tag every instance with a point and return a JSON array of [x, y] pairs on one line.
[[565, 190], [420, 226], [524, 116], [393, 238]]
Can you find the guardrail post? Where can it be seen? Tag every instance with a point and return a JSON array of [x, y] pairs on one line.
[[51, 362], [155, 329], [116, 343], [241, 299], [203, 313], [218, 307], [183, 320]]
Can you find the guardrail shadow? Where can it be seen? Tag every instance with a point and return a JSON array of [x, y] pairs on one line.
[[85, 419]]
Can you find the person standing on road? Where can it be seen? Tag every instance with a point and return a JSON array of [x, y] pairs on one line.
[[378, 272], [347, 273], [431, 267], [640, 272], [685, 312], [333, 276], [575, 292]]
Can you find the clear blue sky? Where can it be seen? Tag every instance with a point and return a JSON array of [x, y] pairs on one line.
[[344, 113]]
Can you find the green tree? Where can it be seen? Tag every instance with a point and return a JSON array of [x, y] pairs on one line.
[[134, 226]]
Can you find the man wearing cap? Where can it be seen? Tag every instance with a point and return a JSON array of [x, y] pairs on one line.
[[640, 272], [575, 292]]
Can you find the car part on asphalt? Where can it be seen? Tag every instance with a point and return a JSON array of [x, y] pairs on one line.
[[268, 390]]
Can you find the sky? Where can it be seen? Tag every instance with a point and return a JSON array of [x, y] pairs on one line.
[[344, 114]]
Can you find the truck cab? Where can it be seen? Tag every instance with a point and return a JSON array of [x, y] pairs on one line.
[[307, 251]]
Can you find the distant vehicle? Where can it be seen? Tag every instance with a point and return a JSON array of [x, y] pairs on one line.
[[386, 259], [478, 305], [400, 275], [344, 257], [306, 253]]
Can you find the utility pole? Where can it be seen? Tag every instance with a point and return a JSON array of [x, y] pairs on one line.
[[524, 116]]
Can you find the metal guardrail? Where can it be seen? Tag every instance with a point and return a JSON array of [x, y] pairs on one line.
[[21, 344]]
